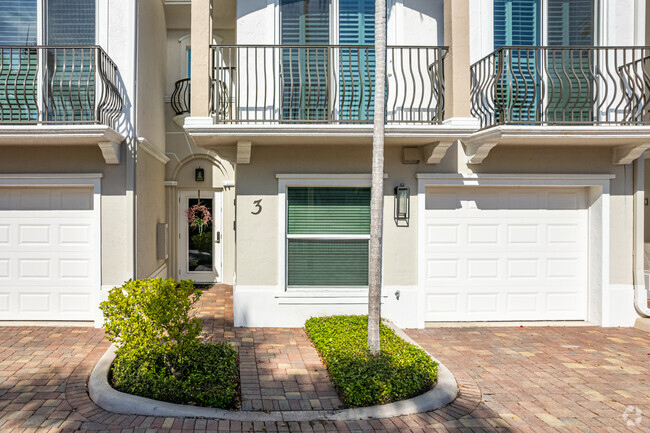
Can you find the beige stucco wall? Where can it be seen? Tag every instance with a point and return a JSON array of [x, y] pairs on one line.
[[150, 208], [257, 237], [152, 62], [116, 200], [150, 172]]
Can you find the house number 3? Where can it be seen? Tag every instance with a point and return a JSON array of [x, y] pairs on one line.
[[258, 207]]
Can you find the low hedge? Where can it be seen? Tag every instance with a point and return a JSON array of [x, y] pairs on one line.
[[401, 371], [211, 376]]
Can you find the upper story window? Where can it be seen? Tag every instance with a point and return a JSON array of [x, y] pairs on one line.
[[520, 22], [62, 23], [52, 84], [306, 72]]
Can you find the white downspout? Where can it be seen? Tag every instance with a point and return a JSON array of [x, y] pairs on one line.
[[638, 275]]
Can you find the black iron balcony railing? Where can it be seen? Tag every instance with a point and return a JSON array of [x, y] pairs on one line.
[[562, 86], [325, 84], [68, 85], [180, 99]]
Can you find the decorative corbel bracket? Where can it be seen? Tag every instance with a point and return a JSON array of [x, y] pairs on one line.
[[110, 151], [244, 152], [626, 153], [477, 152], [434, 152]]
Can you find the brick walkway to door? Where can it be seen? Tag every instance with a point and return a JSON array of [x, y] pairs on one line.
[[551, 379]]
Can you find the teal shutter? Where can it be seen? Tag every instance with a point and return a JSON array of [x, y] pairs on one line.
[[304, 70], [314, 256], [571, 80], [18, 67], [357, 66], [517, 22]]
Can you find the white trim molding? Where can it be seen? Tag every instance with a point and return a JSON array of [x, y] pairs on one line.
[[152, 150], [597, 185]]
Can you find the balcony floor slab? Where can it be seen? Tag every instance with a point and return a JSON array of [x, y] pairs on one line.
[[108, 140], [207, 135]]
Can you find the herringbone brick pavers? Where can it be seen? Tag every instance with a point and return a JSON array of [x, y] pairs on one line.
[[551, 379]]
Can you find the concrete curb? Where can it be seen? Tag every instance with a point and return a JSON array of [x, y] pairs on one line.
[[106, 397]]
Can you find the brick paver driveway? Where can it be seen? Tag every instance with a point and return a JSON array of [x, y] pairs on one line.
[[550, 379]]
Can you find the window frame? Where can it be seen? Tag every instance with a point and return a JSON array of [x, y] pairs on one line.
[[286, 181]]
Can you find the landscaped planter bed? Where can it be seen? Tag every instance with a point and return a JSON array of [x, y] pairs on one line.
[[159, 353], [211, 377], [401, 371]]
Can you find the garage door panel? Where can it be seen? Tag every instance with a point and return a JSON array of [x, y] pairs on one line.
[[48, 253], [509, 254]]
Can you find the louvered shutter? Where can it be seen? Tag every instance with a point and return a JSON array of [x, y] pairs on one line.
[[18, 67], [517, 22], [571, 81], [304, 70], [315, 256], [357, 66]]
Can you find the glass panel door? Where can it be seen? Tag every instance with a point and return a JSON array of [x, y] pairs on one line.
[[200, 241], [200, 246]]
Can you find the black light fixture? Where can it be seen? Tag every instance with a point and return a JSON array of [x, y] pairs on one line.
[[199, 175], [402, 202]]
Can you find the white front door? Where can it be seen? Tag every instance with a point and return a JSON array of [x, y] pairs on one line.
[[505, 254], [200, 250]]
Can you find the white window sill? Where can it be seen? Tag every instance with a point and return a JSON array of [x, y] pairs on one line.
[[323, 295]]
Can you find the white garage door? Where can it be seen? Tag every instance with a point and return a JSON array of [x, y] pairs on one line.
[[48, 253], [505, 254]]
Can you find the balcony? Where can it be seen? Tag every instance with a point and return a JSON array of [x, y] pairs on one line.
[[284, 93], [325, 84], [562, 86], [60, 95], [563, 95]]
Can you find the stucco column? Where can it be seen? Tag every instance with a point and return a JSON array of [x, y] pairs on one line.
[[457, 75], [201, 58]]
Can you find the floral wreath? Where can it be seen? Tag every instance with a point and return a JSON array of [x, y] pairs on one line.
[[198, 216]]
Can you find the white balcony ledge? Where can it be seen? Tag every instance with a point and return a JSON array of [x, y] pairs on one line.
[[209, 135], [627, 142], [107, 139]]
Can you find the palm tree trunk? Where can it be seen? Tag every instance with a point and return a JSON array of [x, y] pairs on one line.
[[377, 192]]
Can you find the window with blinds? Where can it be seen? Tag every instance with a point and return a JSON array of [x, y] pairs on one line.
[[18, 22], [517, 22], [357, 66], [71, 75], [70, 22], [327, 236], [572, 82], [304, 70], [18, 67]]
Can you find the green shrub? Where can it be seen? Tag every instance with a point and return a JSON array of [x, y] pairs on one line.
[[146, 317], [401, 371], [159, 353], [211, 379]]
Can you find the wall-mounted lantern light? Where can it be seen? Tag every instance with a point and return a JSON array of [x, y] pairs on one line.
[[402, 202], [199, 175]]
